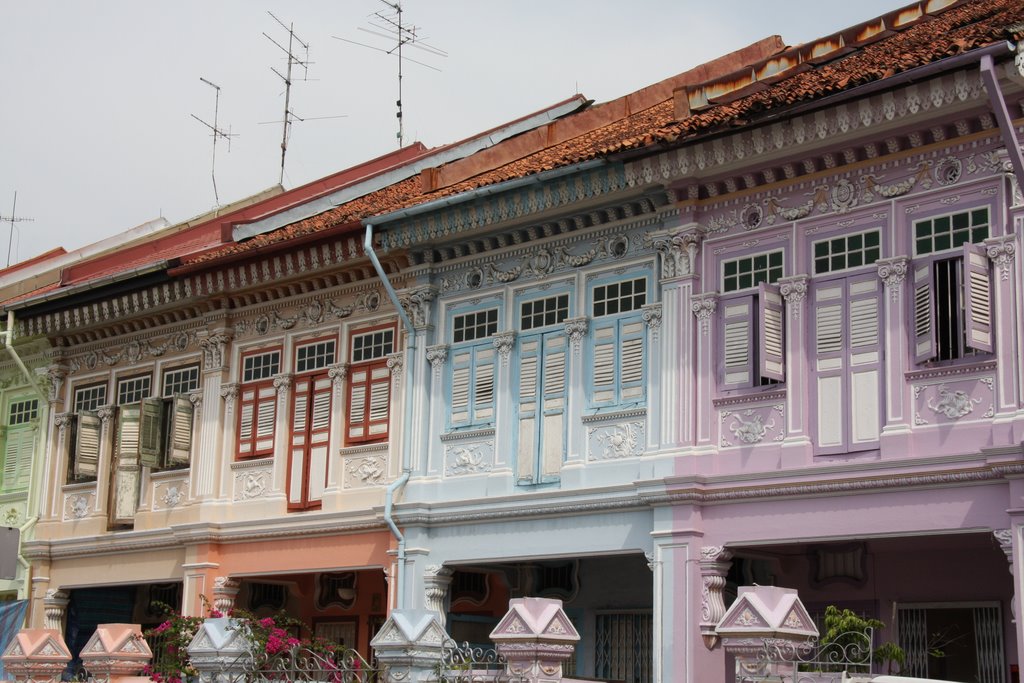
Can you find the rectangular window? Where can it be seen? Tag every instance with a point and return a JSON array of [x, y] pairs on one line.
[[476, 325], [261, 366], [750, 271], [180, 380], [19, 444], [133, 389], [620, 297], [753, 345], [543, 312], [618, 344], [257, 406], [22, 412], [373, 345], [847, 251], [90, 398], [951, 231], [315, 356], [952, 306]]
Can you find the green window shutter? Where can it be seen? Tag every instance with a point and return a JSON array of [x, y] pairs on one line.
[[179, 448], [151, 423], [87, 445], [19, 446]]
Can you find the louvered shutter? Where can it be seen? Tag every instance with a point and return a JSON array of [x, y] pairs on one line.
[[529, 385], [179, 447], [124, 488], [462, 360], [632, 387], [265, 420], [379, 398], [246, 421], [924, 313], [866, 381], [978, 298], [151, 422], [603, 381], [87, 445], [310, 432], [830, 364], [737, 341], [19, 445], [483, 384], [554, 399], [772, 338], [319, 437], [369, 404]]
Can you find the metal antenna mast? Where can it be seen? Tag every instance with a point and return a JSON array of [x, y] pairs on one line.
[[293, 60], [217, 133], [12, 219], [391, 27]]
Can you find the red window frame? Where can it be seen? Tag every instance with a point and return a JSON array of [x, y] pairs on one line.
[[369, 392], [252, 397]]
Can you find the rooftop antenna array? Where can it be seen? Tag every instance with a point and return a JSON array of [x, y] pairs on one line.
[[12, 219], [215, 134], [388, 24], [294, 43]]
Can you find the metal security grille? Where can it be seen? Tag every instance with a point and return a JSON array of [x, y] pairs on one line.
[[624, 646]]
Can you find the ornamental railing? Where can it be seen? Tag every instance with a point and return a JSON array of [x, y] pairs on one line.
[[809, 661], [465, 663]]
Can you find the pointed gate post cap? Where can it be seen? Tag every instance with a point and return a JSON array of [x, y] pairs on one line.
[[765, 612], [36, 653], [116, 650]]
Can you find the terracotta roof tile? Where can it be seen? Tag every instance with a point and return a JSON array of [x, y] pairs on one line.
[[880, 54]]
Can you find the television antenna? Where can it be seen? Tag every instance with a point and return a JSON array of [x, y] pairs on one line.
[[216, 133], [293, 61], [388, 24], [12, 219]]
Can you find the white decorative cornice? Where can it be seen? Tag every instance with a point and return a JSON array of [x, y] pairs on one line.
[[503, 343], [229, 391], [703, 306], [214, 346], [395, 363], [337, 373], [1001, 250], [893, 271], [105, 413], [416, 303], [437, 355], [678, 250], [282, 383], [576, 330], [651, 316]]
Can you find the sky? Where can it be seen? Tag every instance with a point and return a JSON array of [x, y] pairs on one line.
[[97, 97]]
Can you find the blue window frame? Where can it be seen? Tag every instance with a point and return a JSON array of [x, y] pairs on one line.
[[618, 341], [473, 366]]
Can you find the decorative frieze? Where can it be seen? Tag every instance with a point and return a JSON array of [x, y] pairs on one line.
[[616, 441], [468, 458], [365, 470]]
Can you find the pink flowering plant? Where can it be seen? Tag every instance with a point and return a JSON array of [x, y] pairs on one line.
[[274, 644]]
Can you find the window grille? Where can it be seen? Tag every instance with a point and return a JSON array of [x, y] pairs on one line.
[[181, 380], [314, 356], [620, 297], [750, 271], [372, 345], [22, 412], [261, 366], [90, 398], [133, 390], [543, 312], [476, 325], [950, 231], [848, 251]]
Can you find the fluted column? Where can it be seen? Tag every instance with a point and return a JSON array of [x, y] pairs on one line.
[[211, 419], [893, 273]]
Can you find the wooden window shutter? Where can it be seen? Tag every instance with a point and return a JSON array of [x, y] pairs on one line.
[[299, 446], [319, 439], [19, 446], [246, 421], [124, 480], [737, 341], [369, 405], [605, 336], [771, 320], [978, 298], [924, 313], [529, 404], [179, 448], [151, 422], [461, 362], [483, 383], [358, 380], [87, 445], [266, 418], [554, 402], [631, 378], [379, 400]]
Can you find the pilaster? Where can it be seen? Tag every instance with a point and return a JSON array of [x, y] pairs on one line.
[[55, 606], [437, 357], [796, 447], [1001, 252], [228, 432], [212, 422], [576, 330], [715, 562], [104, 467], [282, 431], [504, 426], [703, 307], [896, 431]]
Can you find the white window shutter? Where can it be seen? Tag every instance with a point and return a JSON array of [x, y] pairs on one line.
[[978, 298], [298, 448], [631, 370], [483, 383], [180, 441], [380, 401], [529, 405], [151, 425], [266, 417], [603, 381], [771, 319], [357, 403], [554, 400], [924, 313], [738, 342], [128, 421], [87, 445], [461, 361]]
